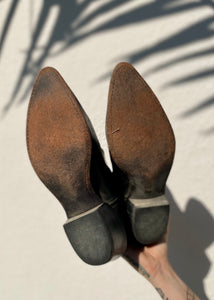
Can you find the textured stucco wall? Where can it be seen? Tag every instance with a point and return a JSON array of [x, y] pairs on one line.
[[171, 43]]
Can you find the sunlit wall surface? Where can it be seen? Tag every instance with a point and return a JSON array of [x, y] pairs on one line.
[[171, 44]]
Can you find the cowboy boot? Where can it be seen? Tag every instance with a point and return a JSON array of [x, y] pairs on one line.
[[67, 157], [142, 145]]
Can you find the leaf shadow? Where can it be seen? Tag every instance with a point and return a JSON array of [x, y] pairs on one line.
[[71, 27]]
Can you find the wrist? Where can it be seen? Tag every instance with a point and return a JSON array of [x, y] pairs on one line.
[[168, 284], [163, 271], [155, 267], [156, 264]]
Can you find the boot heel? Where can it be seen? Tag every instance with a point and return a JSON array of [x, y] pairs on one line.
[[149, 218], [97, 236]]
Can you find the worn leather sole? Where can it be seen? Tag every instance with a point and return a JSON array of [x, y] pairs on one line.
[[142, 145], [59, 144]]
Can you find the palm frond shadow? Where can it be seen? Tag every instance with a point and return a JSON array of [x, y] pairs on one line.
[[8, 21], [204, 105], [70, 28]]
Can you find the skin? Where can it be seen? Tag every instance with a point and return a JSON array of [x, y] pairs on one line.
[[152, 262]]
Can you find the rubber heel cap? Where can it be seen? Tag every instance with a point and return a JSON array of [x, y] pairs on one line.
[[98, 236], [148, 222]]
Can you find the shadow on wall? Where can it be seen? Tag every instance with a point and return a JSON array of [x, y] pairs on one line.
[[71, 27], [190, 234]]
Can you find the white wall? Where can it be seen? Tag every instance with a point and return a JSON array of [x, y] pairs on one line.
[[171, 43]]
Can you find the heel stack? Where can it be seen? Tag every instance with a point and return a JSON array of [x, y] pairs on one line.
[[149, 218], [97, 236]]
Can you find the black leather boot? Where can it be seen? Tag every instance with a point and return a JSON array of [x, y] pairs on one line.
[[67, 157], [142, 146]]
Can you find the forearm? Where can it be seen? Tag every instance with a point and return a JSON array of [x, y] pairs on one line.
[[170, 286], [164, 279]]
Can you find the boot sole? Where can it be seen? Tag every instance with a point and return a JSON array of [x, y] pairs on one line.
[[60, 146], [142, 145]]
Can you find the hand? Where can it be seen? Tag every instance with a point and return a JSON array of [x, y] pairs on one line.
[[148, 260], [152, 262]]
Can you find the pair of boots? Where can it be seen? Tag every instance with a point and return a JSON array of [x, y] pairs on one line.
[[102, 207]]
